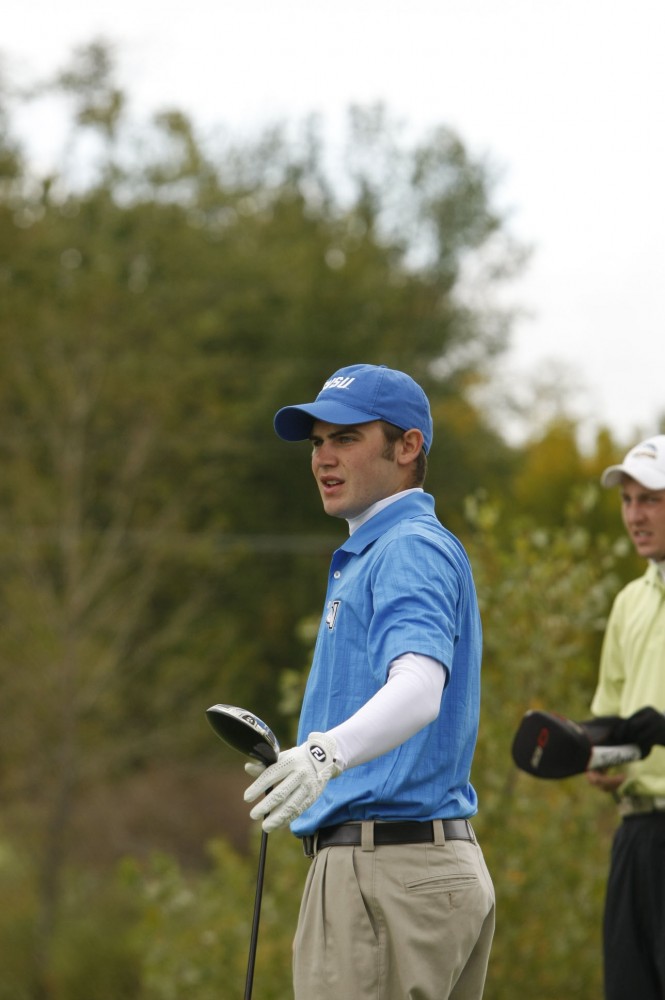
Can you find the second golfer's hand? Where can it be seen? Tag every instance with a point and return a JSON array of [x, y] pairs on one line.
[[604, 781], [297, 779]]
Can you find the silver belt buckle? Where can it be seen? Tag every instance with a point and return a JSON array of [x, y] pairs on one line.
[[310, 844]]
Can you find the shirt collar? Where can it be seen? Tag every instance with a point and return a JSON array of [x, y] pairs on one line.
[[411, 503], [357, 522]]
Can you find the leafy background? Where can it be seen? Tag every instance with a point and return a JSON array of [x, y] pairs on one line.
[[161, 550]]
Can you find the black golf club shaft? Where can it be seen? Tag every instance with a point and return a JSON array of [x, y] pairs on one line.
[[246, 733], [254, 937]]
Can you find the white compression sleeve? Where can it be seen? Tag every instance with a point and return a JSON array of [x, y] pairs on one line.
[[408, 701]]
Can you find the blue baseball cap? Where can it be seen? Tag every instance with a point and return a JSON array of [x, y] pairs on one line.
[[359, 394]]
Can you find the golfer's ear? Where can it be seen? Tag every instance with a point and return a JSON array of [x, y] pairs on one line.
[[410, 446]]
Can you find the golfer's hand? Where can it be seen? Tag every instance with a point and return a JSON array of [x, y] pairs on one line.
[[645, 727], [297, 778], [604, 781]]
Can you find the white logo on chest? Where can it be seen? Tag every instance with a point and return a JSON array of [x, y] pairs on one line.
[[331, 617]]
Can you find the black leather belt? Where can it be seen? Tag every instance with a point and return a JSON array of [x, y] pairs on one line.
[[350, 834]]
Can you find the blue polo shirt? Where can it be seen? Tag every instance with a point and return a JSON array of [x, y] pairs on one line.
[[401, 583]]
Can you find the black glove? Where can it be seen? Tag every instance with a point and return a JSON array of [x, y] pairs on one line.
[[645, 727]]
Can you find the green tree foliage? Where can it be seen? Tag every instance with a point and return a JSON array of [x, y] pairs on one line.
[[195, 938], [159, 302], [555, 482], [544, 594], [160, 298]]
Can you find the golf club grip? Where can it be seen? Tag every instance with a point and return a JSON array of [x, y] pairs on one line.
[[602, 757]]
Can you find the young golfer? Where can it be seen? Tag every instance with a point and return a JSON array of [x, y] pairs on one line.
[[632, 683], [398, 901]]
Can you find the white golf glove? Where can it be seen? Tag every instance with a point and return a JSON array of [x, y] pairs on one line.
[[297, 778]]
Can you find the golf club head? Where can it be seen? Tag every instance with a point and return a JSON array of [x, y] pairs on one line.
[[547, 745], [244, 731]]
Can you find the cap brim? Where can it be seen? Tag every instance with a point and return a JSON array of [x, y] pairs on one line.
[[612, 476], [651, 479], [294, 423]]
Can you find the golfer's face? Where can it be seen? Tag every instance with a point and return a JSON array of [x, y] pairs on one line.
[[643, 514], [353, 467]]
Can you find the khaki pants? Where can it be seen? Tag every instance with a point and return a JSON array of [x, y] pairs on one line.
[[406, 922]]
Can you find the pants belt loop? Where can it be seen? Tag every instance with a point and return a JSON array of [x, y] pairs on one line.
[[367, 835], [439, 835]]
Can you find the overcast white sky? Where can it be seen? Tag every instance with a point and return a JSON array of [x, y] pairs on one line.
[[565, 96]]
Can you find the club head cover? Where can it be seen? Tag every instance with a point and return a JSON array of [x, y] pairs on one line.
[[547, 745], [602, 730]]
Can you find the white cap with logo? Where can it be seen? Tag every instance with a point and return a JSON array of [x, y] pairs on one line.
[[645, 463]]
